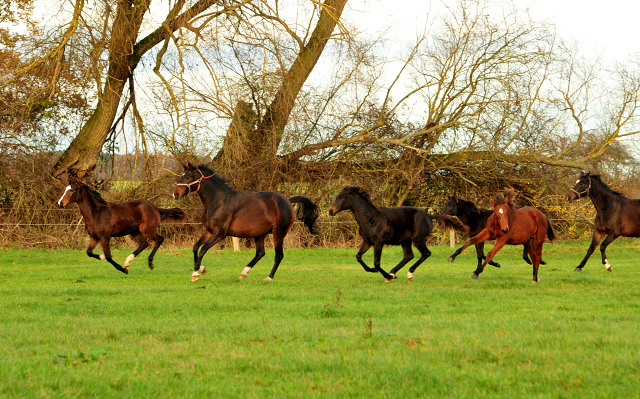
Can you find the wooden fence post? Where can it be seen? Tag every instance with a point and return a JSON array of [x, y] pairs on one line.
[[236, 243]]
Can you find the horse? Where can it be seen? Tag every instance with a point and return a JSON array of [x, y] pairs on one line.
[[616, 215], [103, 220], [476, 218], [392, 226], [513, 226], [228, 212]]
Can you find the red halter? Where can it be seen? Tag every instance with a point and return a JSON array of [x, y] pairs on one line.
[[202, 177]]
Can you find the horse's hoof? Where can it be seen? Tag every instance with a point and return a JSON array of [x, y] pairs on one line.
[[242, 276], [387, 280], [195, 278], [451, 259], [543, 262], [474, 276], [497, 265], [409, 276], [125, 271], [127, 268], [203, 270], [268, 279], [536, 280], [151, 266], [577, 269]]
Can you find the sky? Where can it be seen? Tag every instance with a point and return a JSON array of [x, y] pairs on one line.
[[610, 27]]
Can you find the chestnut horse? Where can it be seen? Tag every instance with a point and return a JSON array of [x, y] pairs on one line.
[[228, 212], [616, 215], [378, 226], [103, 220], [476, 219], [512, 226]]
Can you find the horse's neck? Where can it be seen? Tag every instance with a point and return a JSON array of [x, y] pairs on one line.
[[212, 193], [600, 197], [364, 212], [88, 207], [466, 215]]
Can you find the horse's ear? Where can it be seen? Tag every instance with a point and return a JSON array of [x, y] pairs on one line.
[[583, 174], [493, 203], [190, 166], [183, 166]]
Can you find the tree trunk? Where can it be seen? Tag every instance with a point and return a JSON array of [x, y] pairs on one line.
[[263, 141]]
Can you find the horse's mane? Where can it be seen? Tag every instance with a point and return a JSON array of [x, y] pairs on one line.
[[93, 193], [220, 180], [468, 207], [604, 185], [363, 193], [506, 197]]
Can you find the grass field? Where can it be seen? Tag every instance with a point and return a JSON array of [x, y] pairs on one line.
[[71, 326]]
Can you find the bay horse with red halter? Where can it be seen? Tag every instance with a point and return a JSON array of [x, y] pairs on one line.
[[512, 226], [103, 220], [379, 226], [616, 215], [228, 212]]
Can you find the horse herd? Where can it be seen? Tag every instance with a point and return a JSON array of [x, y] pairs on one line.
[[228, 212]]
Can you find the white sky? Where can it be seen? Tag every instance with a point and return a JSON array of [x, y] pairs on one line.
[[609, 26]]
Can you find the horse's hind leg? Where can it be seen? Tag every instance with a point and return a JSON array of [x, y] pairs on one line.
[[489, 258], [214, 238], [157, 240], [526, 256], [107, 254], [278, 240], [259, 254], [364, 247], [532, 251], [408, 255], [597, 236], [424, 254], [603, 247], [142, 245]]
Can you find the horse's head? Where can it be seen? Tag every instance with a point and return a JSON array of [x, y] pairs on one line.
[[71, 194], [451, 206], [189, 181], [581, 188], [343, 201], [503, 208]]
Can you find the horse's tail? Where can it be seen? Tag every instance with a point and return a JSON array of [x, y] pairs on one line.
[[550, 233], [173, 214], [307, 212], [451, 222]]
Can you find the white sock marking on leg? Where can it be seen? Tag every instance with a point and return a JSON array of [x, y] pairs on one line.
[[102, 257], [195, 274], [246, 271], [409, 275], [127, 261], [201, 269]]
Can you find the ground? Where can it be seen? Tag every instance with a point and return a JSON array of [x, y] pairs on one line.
[[72, 326]]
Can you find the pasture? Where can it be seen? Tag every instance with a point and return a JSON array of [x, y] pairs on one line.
[[72, 326]]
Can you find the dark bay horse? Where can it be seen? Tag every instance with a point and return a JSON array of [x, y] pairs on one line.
[[616, 215], [228, 212], [512, 226], [476, 219], [378, 226], [103, 220]]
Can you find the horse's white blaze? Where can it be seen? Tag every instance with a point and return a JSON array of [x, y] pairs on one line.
[[127, 261], [102, 257], [246, 270], [66, 190], [577, 181], [500, 210]]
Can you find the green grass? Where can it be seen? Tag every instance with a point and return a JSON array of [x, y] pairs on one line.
[[71, 326]]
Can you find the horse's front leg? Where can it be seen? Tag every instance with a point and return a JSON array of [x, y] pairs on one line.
[[377, 256], [206, 234], [364, 247], [483, 236], [597, 236], [603, 247], [481, 257], [499, 244], [106, 248], [92, 244], [215, 238], [259, 254]]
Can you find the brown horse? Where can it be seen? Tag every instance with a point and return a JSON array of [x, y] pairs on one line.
[[228, 212], [512, 226], [103, 220]]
